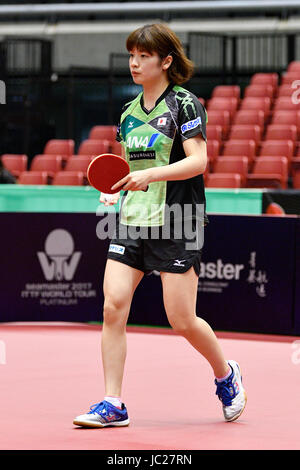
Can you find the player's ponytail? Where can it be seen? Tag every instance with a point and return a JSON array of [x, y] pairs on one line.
[[161, 39]]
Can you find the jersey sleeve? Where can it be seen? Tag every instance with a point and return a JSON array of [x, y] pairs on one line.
[[192, 118]]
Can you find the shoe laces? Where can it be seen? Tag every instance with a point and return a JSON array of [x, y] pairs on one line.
[[97, 408], [225, 391]]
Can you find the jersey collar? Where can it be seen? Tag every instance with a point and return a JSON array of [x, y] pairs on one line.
[[162, 96]]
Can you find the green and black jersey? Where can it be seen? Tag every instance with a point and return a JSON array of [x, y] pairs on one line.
[[155, 138]]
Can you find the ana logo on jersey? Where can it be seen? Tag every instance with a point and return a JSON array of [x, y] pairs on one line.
[[141, 142]]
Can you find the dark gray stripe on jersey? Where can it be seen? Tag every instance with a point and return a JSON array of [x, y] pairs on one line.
[[164, 124]]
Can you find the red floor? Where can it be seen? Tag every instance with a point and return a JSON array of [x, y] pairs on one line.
[[53, 373]]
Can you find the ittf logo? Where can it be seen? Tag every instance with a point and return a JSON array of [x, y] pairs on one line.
[[2, 92], [59, 261]]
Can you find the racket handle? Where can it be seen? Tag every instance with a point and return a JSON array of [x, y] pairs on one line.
[[107, 197]]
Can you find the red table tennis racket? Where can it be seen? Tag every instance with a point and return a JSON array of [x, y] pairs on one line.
[[106, 170]]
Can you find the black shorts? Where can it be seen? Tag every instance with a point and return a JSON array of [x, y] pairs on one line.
[[148, 250]]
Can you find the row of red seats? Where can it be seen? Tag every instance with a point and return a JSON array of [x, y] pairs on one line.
[[223, 176], [234, 180], [237, 157], [267, 112], [266, 172], [17, 164], [58, 165], [61, 178], [269, 118], [247, 148], [272, 171], [236, 132]]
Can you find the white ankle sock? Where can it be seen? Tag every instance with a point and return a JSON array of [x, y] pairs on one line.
[[116, 401], [220, 379]]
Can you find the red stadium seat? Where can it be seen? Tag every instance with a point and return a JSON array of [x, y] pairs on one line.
[[223, 104], [296, 180], [245, 132], [64, 147], [250, 116], [277, 148], [286, 103], [50, 163], [285, 90], [293, 66], [15, 163], [219, 118], [116, 148], [259, 103], [264, 79], [281, 132], [94, 147], [33, 177], [259, 91], [295, 164], [214, 132], [226, 91], [287, 118], [289, 78], [232, 165], [240, 148], [78, 163], [223, 180], [269, 172], [68, 178], [103, 133], [213, 149]]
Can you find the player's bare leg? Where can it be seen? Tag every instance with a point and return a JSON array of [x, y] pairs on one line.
[[180, 293], [120, 282]]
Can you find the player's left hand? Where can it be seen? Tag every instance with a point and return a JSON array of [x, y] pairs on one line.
[[135, 181]]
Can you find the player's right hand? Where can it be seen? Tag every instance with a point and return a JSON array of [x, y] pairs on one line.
[[109, 199]]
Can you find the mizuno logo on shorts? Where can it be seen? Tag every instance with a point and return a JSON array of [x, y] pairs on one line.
[[117, 249], [179, 262], [191, 124]]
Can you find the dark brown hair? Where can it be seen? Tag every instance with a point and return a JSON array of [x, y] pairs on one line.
[[161, 39]]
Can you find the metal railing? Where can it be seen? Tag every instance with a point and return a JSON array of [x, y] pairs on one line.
[[231, 55], [142, 8], [25, 55]]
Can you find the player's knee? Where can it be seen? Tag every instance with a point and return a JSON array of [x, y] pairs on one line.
[[113, 312], [181, 326]]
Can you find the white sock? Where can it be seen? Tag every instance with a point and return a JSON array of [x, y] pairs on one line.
[[220, 379], [116, 401]]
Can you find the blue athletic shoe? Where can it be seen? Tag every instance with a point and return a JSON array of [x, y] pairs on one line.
[[232, 393], [103, 414]]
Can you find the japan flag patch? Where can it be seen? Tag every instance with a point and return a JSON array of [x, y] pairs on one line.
[[162, 121]]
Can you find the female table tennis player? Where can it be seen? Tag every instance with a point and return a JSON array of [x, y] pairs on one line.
[[163, 132]]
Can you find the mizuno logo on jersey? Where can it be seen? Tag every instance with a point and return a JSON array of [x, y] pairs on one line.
[[141, 142], [191, 125]]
